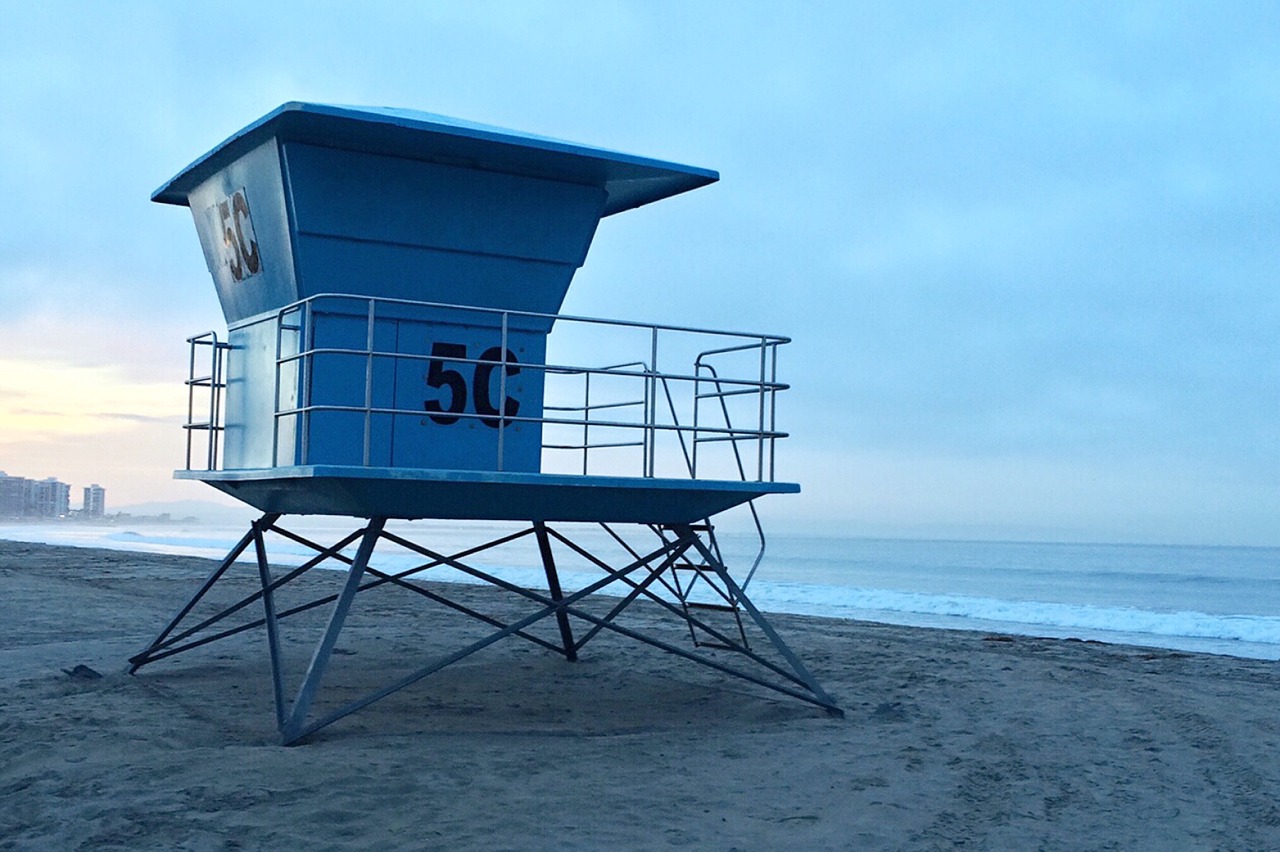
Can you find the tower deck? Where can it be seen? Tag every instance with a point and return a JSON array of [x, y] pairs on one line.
[[482, 495]]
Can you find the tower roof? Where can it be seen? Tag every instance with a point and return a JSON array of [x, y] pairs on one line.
[[629, 180]]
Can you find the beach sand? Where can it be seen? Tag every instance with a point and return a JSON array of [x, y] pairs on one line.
[[950, 739]]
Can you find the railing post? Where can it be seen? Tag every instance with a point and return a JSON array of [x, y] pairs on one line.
[[586, 419], [212, 458], [305, 364], [502, 395], [191, 394], [773, 408], [760, 421], [697, 408], [219, 367], [275, 411], [651, 408], [368, 378]]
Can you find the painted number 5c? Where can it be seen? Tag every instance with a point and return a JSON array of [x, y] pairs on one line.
[[240, 250], [454, 385]]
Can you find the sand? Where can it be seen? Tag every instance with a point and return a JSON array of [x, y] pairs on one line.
[[950, 738]]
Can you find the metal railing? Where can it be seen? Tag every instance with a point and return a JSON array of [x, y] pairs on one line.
[[211, 384], [667, 398]]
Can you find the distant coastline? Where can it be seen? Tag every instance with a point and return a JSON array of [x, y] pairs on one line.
[[157, 512], [114, 519]]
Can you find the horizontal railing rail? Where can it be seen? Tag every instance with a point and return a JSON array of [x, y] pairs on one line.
[[646, 413]]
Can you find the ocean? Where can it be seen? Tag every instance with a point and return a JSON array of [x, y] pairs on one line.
[[1220, 600]]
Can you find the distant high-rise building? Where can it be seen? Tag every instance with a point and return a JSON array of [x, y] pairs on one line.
[[12, 495], [51, 498], [95, 501], [29, 498]]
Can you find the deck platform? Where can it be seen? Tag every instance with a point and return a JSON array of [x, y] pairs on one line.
[[411, 494]]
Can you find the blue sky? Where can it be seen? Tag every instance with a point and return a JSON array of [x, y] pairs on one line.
[[1027, 252]]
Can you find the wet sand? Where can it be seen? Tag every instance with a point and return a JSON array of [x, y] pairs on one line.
[[950, 738]]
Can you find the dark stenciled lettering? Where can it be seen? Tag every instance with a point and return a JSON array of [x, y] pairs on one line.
[[240, 211], [440, 376], [229, 240], [491, 358], [239, 241]]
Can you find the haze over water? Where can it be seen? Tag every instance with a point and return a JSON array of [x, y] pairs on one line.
[[1223, 600]]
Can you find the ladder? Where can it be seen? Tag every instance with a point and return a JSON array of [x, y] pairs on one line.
[[700, 592]]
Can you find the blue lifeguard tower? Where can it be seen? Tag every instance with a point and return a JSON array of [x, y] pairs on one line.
[[391, 282]]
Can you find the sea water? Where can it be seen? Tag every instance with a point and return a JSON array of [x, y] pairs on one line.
[[1223, 600]]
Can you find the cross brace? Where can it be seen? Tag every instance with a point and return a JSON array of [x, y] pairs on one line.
[[785, 674]]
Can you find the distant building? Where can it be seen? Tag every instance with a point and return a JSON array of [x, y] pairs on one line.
[[12, 495], [95, 501], [52, 498], [28, 498]]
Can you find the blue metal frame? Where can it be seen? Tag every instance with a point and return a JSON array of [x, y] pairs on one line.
[[784, 673]]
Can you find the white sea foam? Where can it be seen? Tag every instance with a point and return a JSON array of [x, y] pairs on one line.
[[1188, 629], [1136, 595]]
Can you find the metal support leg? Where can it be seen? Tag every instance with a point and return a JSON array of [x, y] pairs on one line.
[[553, 585], [139, 660], [548, 608], [269, 616], [176, 643], [292, 729], [292, 720], [765, 627]]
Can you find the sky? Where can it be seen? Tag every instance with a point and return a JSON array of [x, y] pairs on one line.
[[1027, 252]]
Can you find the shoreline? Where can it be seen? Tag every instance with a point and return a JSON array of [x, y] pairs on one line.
[[1243, 635], [949, 736]]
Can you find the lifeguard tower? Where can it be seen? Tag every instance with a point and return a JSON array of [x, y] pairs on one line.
[[392, 282]]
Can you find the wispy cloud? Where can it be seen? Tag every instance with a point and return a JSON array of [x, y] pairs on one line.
[[47, 400]]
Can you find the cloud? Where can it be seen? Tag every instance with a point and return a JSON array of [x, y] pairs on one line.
[[60, 401], [994, 230]]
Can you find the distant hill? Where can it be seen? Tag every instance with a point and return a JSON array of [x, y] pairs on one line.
[[206, 510]]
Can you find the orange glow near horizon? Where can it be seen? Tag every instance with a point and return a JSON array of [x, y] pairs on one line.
[[92, 424], [44, 400]]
